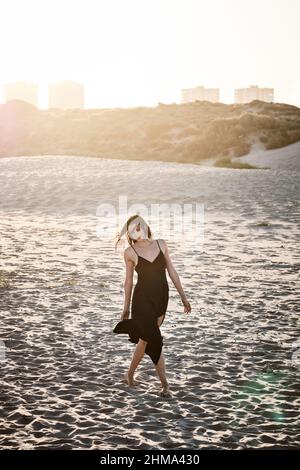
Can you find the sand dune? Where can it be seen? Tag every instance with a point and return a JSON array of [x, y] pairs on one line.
[[230, 364], [286, 158]]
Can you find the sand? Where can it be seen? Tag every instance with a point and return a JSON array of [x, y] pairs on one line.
[[285, 158], [232, 364]]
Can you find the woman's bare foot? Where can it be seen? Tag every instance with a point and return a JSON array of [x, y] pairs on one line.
[[129, 380], [165, 391]]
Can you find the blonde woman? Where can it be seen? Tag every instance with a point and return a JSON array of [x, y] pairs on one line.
[[150, 259]]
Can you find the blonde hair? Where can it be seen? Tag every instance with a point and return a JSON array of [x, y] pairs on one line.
[[124, 231]]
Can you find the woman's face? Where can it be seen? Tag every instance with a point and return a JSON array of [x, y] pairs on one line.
[[138, 229]]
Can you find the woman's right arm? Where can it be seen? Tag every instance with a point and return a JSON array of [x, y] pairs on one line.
[[128, 283]]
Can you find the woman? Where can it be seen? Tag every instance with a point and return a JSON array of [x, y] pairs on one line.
[[150, 259]]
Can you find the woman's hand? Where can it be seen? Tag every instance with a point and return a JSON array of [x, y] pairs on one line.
[[187, 305], [125, 315]]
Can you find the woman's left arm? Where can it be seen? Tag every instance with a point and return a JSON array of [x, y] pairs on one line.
[[175, 278]]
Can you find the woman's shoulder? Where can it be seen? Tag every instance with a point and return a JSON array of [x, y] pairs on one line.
[[130, 255], [162, 243], [128, 250]]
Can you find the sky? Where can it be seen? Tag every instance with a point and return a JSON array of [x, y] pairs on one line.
[[140, 52]]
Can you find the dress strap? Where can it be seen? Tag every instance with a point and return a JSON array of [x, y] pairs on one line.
[[159, 245], [134, 249]]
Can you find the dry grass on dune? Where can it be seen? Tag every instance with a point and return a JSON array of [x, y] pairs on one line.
[[169, 132]]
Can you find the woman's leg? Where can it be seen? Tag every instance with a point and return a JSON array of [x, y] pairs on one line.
[[136, 359], [160, 367]]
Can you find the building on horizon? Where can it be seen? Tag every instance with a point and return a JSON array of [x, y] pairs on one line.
[[66, 95], [188, 95], [245, 95], [21, 90]]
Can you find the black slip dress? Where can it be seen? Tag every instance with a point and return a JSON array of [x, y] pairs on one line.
[[149, 300]]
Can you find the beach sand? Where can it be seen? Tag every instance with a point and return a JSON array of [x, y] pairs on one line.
[[232, 363], [285, 158]]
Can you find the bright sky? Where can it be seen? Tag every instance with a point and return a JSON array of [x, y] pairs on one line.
[[141, 52]]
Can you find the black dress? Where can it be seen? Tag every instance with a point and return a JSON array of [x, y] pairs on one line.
[[149, 300]]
